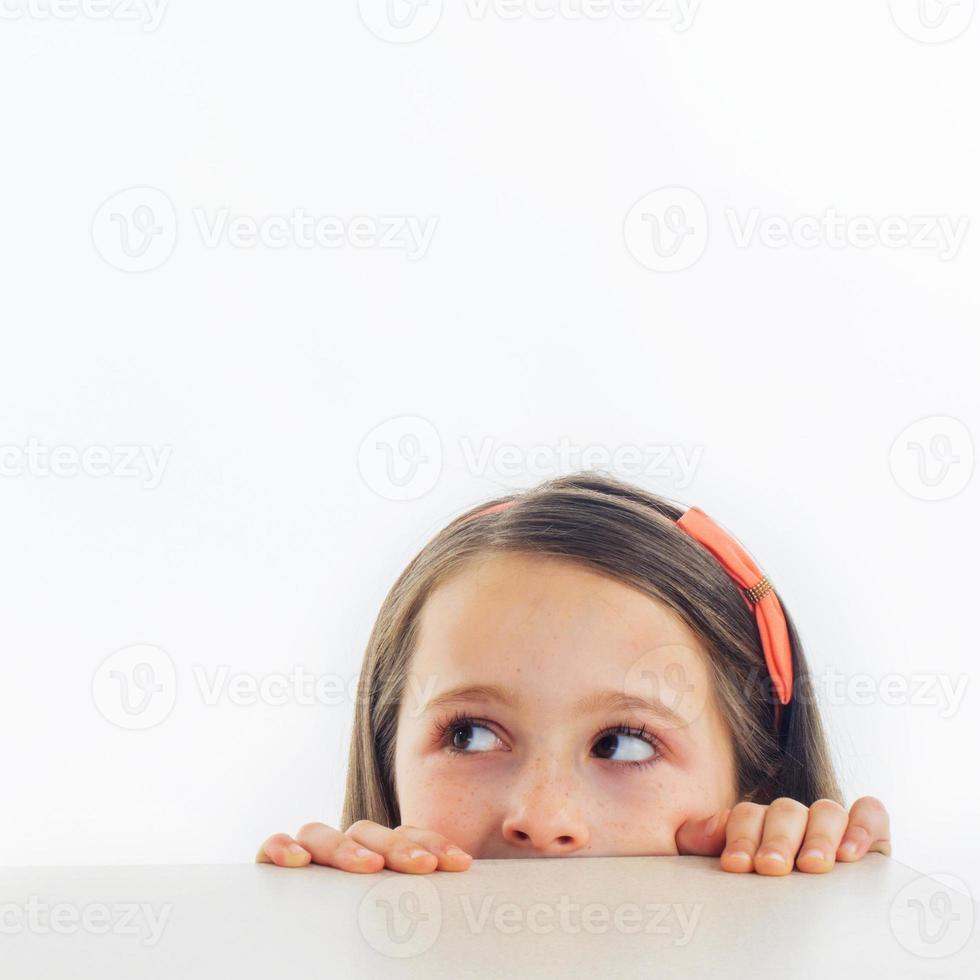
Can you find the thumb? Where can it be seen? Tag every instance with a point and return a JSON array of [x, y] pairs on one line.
[[704, 836]]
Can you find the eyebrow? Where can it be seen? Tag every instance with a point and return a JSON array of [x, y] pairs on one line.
[[609, 700]]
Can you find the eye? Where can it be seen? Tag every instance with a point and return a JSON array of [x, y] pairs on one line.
[[467, 735], [635, 746]]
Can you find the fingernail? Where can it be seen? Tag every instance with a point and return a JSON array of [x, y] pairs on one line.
[[453, 849], [738, 855], [772, 856], [296, 849], [362, 852], [417, 852], [849, 848], [813, 852]]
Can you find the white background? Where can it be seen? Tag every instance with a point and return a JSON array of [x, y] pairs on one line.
[[788, 373]]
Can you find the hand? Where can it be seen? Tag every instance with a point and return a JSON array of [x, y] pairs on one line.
[[769, 839], [364, 848]]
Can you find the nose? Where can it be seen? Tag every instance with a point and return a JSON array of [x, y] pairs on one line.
[[544, 818]]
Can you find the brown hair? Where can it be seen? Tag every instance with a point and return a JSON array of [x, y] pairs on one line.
[[618, 530]]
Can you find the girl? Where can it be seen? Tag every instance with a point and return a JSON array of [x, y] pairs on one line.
[[586, 669]]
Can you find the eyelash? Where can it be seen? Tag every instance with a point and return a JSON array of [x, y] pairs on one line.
[[445, 731]]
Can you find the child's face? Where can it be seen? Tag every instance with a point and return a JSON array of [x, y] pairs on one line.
[[548, 775]]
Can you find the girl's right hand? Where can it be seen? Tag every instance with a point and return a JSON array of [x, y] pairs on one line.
[[364, 848]]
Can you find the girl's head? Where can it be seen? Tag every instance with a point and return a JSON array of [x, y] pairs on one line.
[[573, 675]]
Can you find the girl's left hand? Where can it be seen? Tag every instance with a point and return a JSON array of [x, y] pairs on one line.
[[770, 839]]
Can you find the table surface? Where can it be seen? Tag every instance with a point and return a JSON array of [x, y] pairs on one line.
[[572, 917]]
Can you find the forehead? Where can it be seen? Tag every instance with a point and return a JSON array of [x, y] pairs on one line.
[[514, 613]]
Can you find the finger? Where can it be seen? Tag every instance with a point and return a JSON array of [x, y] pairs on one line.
[[705, 836], [743, 833], [782, 835], [282, 850], [451, 857], [825, 827], [329, 847], [867, 830], [400, 852]]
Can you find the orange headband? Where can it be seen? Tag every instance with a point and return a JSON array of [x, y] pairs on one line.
[[756, 591]]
